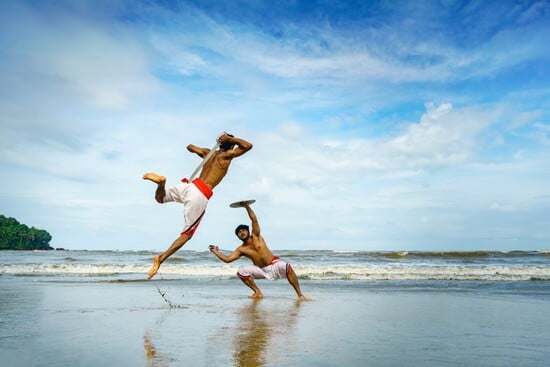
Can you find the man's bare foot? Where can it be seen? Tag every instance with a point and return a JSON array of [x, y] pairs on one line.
[[154, 177], [303, 298], [257, 295], [154, 268]]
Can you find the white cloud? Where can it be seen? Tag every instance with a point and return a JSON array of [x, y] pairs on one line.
[[88, 63], [443, 137]]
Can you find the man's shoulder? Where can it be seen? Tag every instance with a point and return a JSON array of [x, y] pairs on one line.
[[222, 157], [258, 238], [243, 248]]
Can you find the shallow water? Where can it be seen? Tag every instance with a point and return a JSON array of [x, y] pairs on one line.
[[214, 323], [100, 317]]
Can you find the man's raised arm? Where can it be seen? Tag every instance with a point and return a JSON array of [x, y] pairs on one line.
[[254, 219], [243, 146]]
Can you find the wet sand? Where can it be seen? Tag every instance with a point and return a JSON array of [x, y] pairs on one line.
[[213, 323]]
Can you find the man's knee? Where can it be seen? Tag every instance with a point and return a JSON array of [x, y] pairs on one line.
[[244, 277], [185, 236], [160, 197]]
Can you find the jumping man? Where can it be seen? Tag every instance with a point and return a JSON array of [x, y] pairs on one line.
[[195, 195]]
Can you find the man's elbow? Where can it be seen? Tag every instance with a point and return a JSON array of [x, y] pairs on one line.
[[223, 258]]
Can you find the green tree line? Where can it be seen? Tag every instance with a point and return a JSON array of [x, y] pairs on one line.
[[17, 236]]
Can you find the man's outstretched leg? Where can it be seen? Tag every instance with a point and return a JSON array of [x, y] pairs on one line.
[[160, 181], [158, 260], [293, 280]]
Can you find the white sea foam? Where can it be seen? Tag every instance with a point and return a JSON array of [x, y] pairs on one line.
[[314, 272], [380, 272]]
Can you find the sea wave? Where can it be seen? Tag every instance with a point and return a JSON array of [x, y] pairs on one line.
[[452, 254], [313, 272]]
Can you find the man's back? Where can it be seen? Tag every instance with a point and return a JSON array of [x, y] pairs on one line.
[[215, 169]]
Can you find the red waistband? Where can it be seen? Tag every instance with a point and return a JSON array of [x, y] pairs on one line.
[[202, 186], [274, 260]]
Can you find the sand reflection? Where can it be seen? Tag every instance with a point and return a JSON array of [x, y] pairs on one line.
[[259, 328]]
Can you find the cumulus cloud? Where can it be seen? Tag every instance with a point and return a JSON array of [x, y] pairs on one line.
[[294, 165], [442, 137]]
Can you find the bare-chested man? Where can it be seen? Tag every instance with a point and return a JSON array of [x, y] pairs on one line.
[[195, 195], [266, 265]]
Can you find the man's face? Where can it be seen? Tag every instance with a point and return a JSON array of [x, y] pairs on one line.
[[243, 234]]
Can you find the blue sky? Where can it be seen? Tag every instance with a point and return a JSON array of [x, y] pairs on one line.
[[377, 125]]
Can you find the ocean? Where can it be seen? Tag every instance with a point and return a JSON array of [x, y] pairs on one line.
[[90, 308], [320, 265]]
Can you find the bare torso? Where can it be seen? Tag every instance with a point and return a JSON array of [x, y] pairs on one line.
[[256, 250], [215, 169]]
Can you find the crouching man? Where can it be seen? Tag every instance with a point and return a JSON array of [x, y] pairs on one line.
[[266, 265]]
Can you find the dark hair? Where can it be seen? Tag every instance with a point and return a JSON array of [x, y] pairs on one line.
[[241, 226], [227, 145]]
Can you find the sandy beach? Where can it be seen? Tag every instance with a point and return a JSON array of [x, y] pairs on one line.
[[213, 323]]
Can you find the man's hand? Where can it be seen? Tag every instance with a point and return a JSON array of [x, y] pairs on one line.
[[223, 138], [213, 248]]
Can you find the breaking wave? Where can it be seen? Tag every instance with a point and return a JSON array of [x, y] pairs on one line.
[[313, 272]]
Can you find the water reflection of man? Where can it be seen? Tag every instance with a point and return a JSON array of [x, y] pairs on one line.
[[154, 359], [257, 330]]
